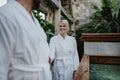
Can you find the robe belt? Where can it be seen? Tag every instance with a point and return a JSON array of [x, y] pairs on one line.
[[65, 60], [28, 68], [38, 68]]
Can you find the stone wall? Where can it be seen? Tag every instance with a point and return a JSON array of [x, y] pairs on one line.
[[82, 10]]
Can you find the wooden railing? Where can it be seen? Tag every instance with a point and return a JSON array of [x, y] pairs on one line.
[[83, 71]]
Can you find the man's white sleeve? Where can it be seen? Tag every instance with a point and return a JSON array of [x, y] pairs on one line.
[[5, 48]]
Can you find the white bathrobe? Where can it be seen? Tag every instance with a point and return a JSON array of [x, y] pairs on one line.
[[65, 55], [24, 51]]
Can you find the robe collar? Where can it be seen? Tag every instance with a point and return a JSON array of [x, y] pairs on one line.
[[25, 13], [62, 41], [62, 37]]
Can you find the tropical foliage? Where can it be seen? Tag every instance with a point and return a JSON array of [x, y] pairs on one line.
[[106, 18], [48, 27]]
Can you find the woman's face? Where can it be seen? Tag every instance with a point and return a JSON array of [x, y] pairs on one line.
[[62, 28]]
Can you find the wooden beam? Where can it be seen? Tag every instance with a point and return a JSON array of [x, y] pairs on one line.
[[104, 60], [100, 37]]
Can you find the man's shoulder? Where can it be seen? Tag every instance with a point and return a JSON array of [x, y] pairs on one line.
[[4, 8], [7, 9]]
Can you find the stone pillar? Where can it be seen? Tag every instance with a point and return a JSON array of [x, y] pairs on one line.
[[73, 8], [73, 26], [49, 17], [57, 18]]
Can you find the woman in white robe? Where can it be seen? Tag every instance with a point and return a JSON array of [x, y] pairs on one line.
[[63, 50], [24, 51]]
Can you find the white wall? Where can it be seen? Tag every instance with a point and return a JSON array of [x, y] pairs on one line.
[[102, 48]]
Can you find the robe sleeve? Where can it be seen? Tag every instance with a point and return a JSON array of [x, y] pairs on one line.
[[6, 40], [52, 49], [76, 58]]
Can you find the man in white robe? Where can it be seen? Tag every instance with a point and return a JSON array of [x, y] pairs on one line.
[[24, 50], [63, 50]]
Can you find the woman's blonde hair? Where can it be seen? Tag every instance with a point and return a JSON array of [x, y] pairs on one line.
[[65, 22]]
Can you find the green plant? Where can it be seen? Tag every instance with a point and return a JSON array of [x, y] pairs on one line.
[[48, 27], [106, 19]]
